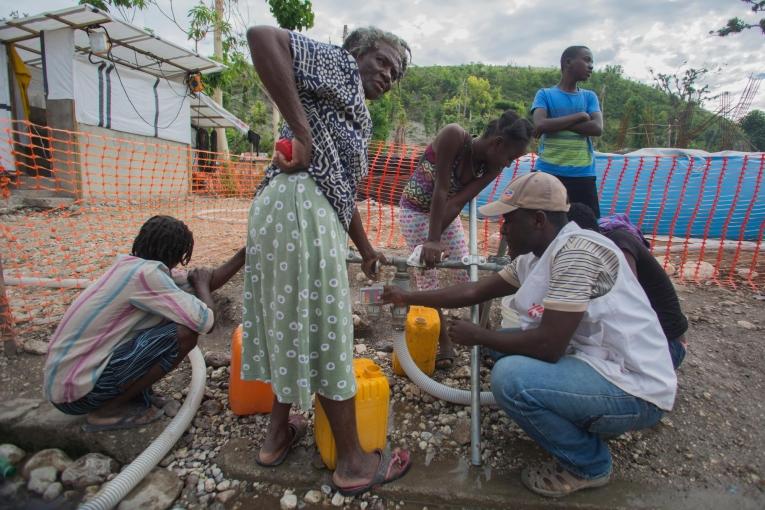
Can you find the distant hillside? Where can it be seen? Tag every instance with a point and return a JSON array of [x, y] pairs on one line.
[[636, 115]]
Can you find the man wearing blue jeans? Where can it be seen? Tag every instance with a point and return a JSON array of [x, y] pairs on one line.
[[589, 360]]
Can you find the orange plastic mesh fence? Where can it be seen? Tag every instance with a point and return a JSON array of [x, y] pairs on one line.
[[115, 181]]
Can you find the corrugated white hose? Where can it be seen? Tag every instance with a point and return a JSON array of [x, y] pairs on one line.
[[113, 492], [438, 390]]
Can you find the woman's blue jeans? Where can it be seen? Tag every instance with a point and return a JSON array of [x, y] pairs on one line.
[[569, 409]]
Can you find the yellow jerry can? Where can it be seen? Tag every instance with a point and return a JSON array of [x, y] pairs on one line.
[[372, 398]]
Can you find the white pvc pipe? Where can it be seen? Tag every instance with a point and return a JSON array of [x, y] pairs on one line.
[[113, 492], [53, 283], [208, 215]]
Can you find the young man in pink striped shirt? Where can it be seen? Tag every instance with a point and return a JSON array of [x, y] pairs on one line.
[[131, 327]]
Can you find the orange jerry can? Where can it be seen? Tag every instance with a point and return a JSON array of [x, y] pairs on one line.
[[421, 331], [372, 398], [246, 397]]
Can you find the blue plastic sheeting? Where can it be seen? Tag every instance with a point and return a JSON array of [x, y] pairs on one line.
[[719, 196]]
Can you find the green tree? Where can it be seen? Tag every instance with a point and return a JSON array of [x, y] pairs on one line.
[[118, 4], [736, 25], [753, 125], [380, 112], [292, 14], [686, 96]]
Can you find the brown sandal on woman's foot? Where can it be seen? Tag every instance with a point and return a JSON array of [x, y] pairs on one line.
[[297, 426], [398, 458]]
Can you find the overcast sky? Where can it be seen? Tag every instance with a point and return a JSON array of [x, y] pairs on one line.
[[636, 34]]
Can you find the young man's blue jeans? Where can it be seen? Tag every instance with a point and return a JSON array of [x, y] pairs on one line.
[[568, 409]]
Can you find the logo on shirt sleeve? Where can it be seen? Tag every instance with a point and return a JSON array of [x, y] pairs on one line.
[[536, 311]]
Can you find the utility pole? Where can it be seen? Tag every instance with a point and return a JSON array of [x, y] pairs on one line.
[[218, 92]]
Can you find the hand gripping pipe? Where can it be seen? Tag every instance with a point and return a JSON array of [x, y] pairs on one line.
[[413, 372], [113, 492]]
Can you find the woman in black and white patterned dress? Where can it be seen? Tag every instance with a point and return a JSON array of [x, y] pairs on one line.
[[298, 328]]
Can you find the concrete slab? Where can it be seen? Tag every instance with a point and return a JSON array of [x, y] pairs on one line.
[[37, 198], [37, 425], [459, 485], [15, 409]]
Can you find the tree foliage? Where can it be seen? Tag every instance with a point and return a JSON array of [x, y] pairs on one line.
[[120, 4], [736, 25], [292, 14], [753, 124], [686, 95], [636, 115]]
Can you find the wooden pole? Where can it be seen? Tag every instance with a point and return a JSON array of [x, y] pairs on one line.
[[7, 334], [218, 92]]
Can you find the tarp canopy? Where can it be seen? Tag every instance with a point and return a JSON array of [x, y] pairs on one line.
[[131, 46], [206, 113]]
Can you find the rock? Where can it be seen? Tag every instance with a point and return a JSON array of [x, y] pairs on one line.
[[360, 348], [746, 325], [10, 488], [313, 497], [53, 491], [171, 408], [746, 273], [666, 262], [12, 452], [35, 347], [700, 271], [209, 485], [16, 408], [211, 407], [90, 492], [461, 431], [462, 372], [217, 359], [155, 492], [90, 469], [51, 457], [326, 490], [201, 422], [40, 478], [338, 500], [288, 501], [169, 458], [226, 496], [223, 486]]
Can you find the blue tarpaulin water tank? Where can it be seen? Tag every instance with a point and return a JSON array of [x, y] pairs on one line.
[[685, 193]]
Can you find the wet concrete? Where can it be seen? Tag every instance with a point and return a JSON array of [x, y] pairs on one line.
[[456, 484], [35, 424]]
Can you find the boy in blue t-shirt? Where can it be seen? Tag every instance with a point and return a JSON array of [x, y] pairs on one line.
[[566, 117]]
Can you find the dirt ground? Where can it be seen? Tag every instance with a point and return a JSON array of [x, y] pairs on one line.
[[712, 439]]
